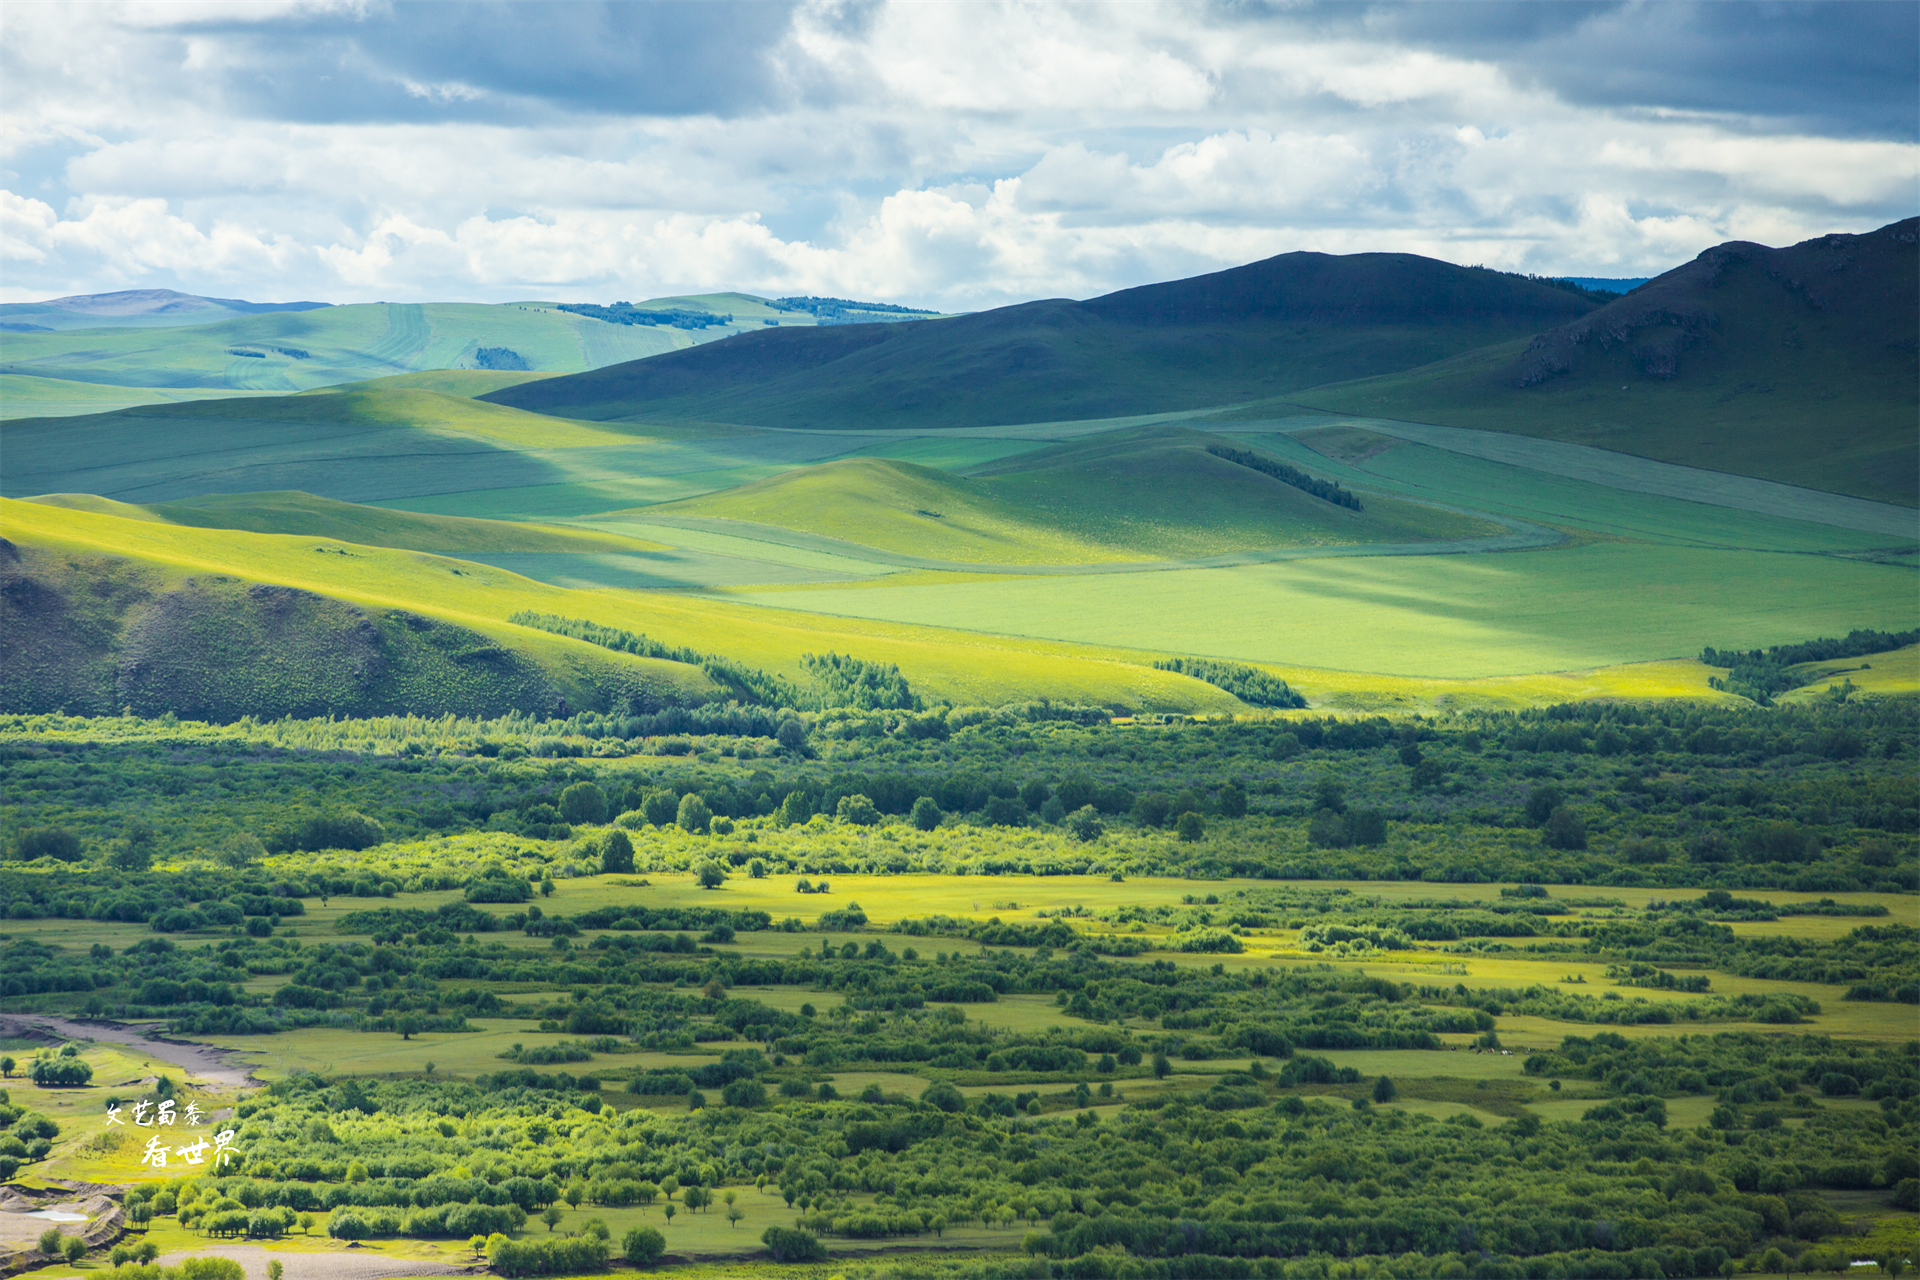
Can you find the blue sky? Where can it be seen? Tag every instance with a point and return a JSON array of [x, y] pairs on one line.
[[949, 155]]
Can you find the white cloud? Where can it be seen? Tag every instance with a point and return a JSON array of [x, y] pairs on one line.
[[960, 155]]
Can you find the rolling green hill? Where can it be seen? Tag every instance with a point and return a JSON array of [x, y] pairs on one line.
[[1800, 365], [367, 441], [48, 605], [138, 349], [1289, 322], [1150, 493], [92, 632], [303, 513]]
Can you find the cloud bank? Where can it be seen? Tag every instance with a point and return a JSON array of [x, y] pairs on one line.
[[949, 155]]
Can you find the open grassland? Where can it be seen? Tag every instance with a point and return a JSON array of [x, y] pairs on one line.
[[1455, 616], [743, 546], [1423, 470], [25, 396], [947, 452], [964, 668], [899, 507], [1147, 493], [303, 515]]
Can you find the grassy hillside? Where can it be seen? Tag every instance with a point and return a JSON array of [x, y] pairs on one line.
[[417, 440], [962, 667], [92, 632], [23, 396], [1145, 494], [1797, 365], [306, 515], [1289, 322], [355, 443], [1160, 490]]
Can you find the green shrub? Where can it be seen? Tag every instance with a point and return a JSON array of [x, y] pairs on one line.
[[642, 1245], [790, 1244]]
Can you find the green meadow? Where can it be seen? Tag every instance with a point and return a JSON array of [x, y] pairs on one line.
[[1561, 609]]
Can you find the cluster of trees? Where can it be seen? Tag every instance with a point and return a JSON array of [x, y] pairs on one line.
[[1252, 686], [836, 681], [1759, 674], [1326, 490], [843, 311], [627, 313], [25, 1135]]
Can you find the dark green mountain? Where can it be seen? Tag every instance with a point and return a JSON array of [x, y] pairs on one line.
[[1799, 364], [1295, 321]]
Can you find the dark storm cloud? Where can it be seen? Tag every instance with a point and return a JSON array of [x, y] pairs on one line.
[[1847, 68], [504, 62]]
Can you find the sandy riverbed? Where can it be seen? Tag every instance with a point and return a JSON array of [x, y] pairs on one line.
[[219, 1067]]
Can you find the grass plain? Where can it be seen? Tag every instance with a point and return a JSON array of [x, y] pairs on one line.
[[25, 396], [1461, 617]]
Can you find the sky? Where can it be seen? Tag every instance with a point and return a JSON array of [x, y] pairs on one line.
[[951, 156]]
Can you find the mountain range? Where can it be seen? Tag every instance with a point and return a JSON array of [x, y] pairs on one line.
[[1797, 364]]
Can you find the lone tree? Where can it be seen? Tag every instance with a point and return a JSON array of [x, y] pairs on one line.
[[616, 855], [712, 875]]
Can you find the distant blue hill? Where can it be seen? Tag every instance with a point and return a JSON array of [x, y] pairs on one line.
[[134, 308]]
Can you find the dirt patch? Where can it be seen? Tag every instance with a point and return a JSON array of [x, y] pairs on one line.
[[221, 1067]]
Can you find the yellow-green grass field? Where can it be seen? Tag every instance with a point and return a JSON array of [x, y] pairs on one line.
[[964, 668], [1381, 600], [1513, 613], [303, 515]]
